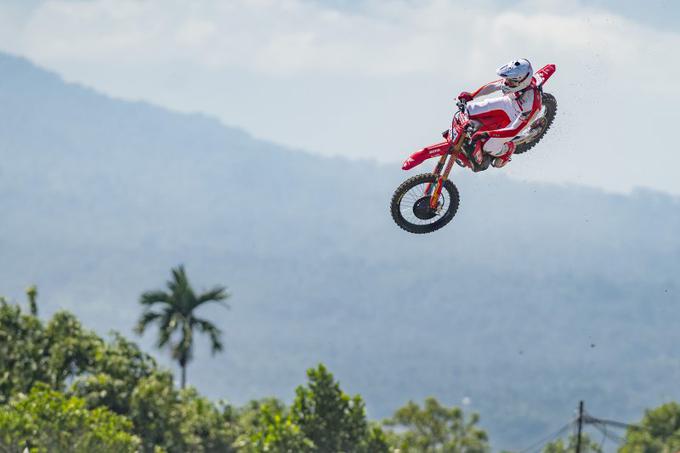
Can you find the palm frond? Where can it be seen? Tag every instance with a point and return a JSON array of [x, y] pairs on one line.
[[217, 294], [150, 298], [213, 332], [168, 325], [179, 280], [146, 318], [182, 292]]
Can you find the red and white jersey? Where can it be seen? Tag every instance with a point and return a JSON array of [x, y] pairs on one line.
[[506, 115]]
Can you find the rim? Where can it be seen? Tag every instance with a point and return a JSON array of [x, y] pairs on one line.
[[411, 203]]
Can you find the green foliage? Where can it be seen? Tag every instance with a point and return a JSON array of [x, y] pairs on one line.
[[322, 419], [127, 381], [23, 355], [153, 409], [177, 317], [71, 349], [32, 294], [660, 431], [179, 421], [66, 389], [331, 419], [376, 440], [204, 426], [273, 431], [559, 446], [114, 372], [435, 428], [31, 352], [46, 420], [250, 417], [115, 376]]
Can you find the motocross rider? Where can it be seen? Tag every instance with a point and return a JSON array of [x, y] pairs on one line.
[[501, 118]]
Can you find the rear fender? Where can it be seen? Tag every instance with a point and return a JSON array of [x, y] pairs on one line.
[[542, 75], [417, 158]]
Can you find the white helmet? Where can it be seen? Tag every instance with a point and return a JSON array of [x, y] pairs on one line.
[[516, 75]]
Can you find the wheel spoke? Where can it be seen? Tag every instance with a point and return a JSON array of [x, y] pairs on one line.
[[407, 212]]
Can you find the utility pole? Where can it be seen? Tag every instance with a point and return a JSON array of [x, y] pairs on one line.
[[580, 426]]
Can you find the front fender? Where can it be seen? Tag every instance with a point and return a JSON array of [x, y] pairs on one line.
[[417, 158]]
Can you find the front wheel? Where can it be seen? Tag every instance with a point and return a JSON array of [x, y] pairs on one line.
[[411, 205]]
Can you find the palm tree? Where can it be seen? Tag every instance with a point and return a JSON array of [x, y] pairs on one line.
[[176, 314]]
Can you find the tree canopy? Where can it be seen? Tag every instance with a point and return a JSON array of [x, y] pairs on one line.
[[659, 431], [434, 428], [64, 387], [106, 377], [46, 420], [588, 445]]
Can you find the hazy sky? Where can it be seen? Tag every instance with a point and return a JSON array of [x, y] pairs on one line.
[[376, 79]]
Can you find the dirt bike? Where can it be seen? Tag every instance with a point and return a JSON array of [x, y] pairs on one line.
[[426, 202]]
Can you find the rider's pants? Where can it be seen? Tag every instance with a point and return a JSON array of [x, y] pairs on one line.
[[501, 111], [496, 146]]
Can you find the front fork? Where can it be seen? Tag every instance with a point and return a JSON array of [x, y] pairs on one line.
[[436, 191]]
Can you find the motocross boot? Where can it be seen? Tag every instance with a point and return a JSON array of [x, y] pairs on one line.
[[503, 159], [478, 158], [486, 160]]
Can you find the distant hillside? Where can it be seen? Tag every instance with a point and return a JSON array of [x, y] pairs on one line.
[[535, 296]]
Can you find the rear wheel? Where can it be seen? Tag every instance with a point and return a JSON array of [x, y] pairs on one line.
[[539, 127], [411, 205]]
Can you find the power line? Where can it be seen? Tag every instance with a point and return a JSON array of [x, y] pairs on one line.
[[609, 435], [601, 421], [536, 446], [604, 438], [584, 418]]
